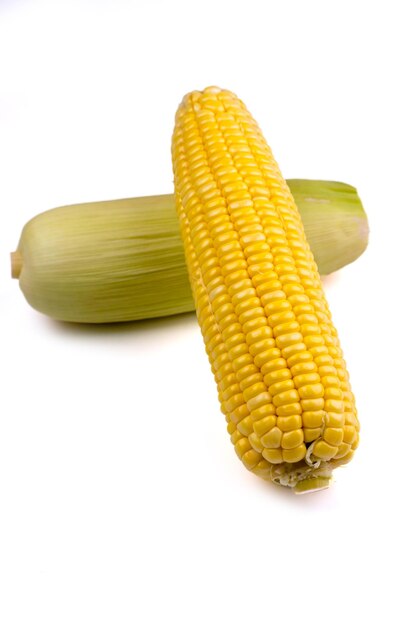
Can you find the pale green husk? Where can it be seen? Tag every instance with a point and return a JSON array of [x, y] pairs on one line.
[[123, 260]]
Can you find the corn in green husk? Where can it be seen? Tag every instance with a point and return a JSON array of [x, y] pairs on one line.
[[123, 260]]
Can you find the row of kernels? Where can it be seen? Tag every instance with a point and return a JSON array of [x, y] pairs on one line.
[[292, 441], [215, 334], [311, 326], [227, 384]]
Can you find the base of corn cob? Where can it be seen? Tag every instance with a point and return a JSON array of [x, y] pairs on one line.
[[303, 478], [123, 260]]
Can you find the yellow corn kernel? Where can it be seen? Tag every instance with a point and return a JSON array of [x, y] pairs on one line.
[[289, 409], [263, 469], [255, 442], [286, 397], [334, 406], [231, 427], [277, 375], [286, 327], [292, 349], [295, 454], [350, 418], [278, 388], [272, 439], [245, 426], [235, 437], [343, 450], [253, 391], [290, 422], [334, 420], [273, 455], [324, 450], [350, 434], [311, 391], [311, 434], [292, 439], [242, 446], [298, 359], [313, 419], [333, 436], [312, 404], [248, 381], [259, 300], [333, 393], [238, 414], [259, 400], [267, 360], [306, 379], [251, 458], [304, 368], [262, 426], [263, 411]]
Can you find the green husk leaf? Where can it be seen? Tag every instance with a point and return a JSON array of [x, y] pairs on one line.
[[335, 222]]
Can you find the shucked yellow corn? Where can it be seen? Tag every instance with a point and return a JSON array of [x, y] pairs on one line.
[[275, 354]]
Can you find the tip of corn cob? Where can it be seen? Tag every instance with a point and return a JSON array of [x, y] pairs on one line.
[[302, 477], [16, 263]]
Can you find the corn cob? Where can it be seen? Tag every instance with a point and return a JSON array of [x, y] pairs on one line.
[[274, 352], [123, 260]]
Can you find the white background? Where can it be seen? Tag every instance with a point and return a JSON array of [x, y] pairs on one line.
[[121, 499]]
